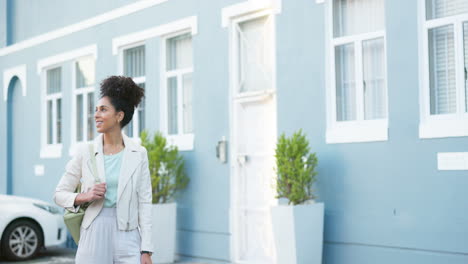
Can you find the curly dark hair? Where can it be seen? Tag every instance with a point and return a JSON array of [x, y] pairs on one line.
[[124, 94]]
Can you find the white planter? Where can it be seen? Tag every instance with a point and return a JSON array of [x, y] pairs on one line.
[[298, 233], [164, 232]]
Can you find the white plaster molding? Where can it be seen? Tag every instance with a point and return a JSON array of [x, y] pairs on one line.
[[356, 132], [66, 56], [452, 161], [8, 74], [183, 142], [440, 128], [249, 6], [179, 25], [85, 24], [39, 170]]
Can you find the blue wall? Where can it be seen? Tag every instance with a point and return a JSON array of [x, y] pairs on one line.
[[385, 202]]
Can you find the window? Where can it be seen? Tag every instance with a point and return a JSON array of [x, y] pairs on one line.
[[445, 36], [254, 54], [83, 114], [134, 67], [357, 97], [54, 106], [178, 72]]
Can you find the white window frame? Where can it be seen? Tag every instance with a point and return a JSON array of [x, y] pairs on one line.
[[49, 151], [137, 80], [53, 150], [183, 141], [75, 92], [442, 125], [358, 130]]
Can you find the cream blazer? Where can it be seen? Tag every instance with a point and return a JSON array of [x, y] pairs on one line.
[[134, 193]]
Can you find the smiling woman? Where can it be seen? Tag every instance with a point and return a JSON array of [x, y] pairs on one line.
[[117, 222]]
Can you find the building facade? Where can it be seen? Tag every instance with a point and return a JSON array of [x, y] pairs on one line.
[[378, 86]]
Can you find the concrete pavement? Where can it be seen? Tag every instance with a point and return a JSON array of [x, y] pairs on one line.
[[57, 256]]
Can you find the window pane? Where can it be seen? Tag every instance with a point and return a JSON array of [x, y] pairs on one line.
[[59, 121], [345, 83], [444, 8], [85, 72], [54, 81], [141, 112], [134, 62], [50, 126], [255, 60], [187, 102], [442, 70], [90, 116], [172, 105], [79, 117], [373, 63], [357, 16], [465, 48], [179, 52]]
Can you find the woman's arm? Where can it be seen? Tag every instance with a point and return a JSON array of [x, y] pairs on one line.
[[145, 198], [65, 195]]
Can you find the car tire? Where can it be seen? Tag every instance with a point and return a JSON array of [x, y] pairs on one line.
[[21, 240]]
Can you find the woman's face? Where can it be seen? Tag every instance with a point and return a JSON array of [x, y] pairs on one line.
[[107, 119]]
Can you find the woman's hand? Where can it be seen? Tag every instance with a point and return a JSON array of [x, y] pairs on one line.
[[145, 259], [95, 193]]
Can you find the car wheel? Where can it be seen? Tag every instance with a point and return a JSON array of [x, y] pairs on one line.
[[21, 240]]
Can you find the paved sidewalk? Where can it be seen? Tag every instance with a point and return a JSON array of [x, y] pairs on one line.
[[57, 256]]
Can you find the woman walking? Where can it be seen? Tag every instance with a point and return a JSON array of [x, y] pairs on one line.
[[116, 227]]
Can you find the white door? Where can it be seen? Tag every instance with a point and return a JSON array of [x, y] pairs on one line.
[[254, 139]]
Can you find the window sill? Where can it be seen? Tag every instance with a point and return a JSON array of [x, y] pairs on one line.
[[182, 142], [357, 131], [51, 151], [442, 128]]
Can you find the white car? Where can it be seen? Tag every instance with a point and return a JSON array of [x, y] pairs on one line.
[[27, 225]]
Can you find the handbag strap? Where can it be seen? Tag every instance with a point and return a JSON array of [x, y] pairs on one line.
[[93, 161]]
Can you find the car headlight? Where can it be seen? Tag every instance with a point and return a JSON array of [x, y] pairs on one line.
[[49, 208]]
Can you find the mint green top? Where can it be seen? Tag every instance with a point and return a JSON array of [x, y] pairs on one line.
[[112, 164]]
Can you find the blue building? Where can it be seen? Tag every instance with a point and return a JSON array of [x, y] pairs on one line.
[[379, 87]]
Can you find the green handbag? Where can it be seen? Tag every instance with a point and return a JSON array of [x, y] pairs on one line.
[[73, 220]]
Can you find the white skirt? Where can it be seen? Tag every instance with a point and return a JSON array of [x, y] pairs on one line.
[[103, 243]]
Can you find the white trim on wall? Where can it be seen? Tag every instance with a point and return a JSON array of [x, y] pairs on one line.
[[8, 74], [452, 160], [85, 24], [66, 56], [246, 7], [179, 25]]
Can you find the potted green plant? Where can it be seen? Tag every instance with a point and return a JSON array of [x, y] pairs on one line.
[[168, 177], [297, 220]]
